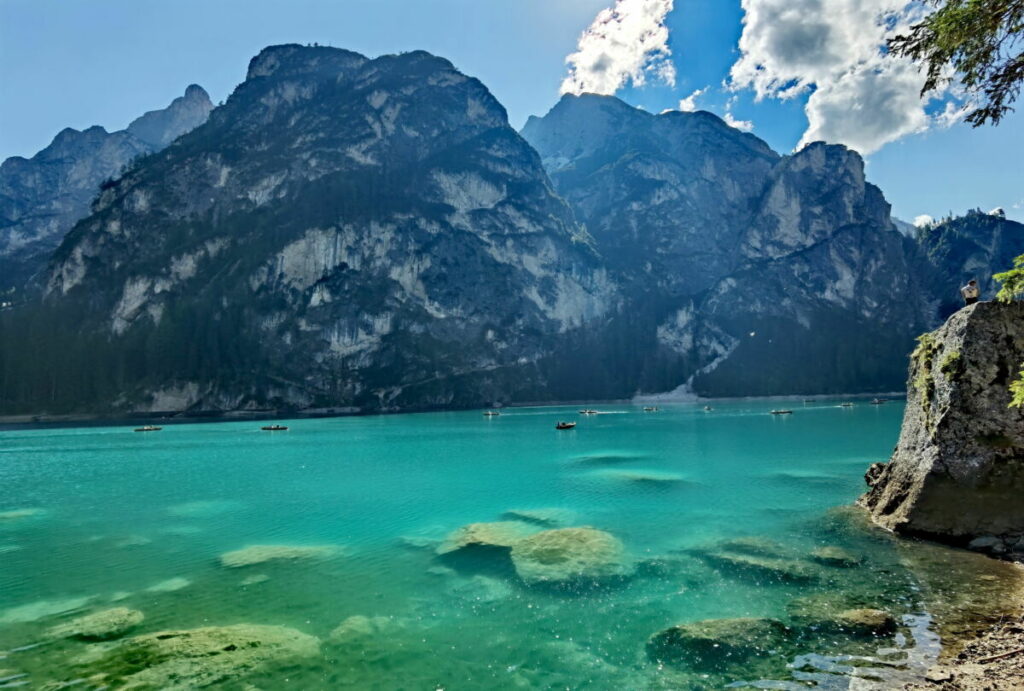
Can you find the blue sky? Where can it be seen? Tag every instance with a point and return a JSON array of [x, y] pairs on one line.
[[77, 63]]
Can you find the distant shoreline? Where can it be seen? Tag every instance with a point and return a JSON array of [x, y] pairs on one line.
[[43, 421]]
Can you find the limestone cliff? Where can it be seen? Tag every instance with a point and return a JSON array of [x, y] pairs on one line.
[[957, 473]]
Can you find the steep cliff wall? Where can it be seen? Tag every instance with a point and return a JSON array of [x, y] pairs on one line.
[[957, 474]]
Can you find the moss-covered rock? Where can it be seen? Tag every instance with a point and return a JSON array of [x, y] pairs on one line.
[[99, 626], [502, 534], [197, 658], [716, 645], [570, 556]]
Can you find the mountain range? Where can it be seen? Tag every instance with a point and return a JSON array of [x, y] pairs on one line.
[[347, 233]]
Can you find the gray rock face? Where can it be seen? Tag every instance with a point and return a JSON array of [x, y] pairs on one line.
[[364, 232], [737, 260], [958, 470], [41, 198]]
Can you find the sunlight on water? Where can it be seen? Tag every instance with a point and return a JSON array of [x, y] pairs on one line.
[[722, 514]]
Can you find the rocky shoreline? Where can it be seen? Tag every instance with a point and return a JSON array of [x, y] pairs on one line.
[[994, 661], [957, 475]]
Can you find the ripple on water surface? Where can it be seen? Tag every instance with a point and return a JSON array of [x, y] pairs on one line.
[[622, 553]]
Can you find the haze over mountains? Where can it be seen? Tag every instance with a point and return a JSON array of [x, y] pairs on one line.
[[371, 234]]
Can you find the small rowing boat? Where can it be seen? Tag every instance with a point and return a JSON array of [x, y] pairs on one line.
[[273, 428], [782, 412], [491, 413], [565, 425]]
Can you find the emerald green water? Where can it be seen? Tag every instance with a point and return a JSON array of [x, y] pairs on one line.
[[121, 514]]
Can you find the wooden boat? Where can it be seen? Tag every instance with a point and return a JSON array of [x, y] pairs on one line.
[[148, 428], [273, 428], [782, 412], [565, 425], [491, 413]]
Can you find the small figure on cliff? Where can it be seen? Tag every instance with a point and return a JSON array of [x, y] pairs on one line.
[[970, 292]]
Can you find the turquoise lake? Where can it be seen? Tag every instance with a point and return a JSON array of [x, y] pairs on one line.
[[98, 517]]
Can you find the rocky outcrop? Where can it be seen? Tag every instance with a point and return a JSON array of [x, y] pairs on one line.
[[957, 473], [41, 198]]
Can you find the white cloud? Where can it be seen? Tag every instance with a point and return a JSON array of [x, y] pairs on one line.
[[923, 220], [833, 50], [689, 104], [625, 44], [745, 125]]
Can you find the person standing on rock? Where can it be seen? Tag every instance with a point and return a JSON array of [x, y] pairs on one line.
[[970, 292]]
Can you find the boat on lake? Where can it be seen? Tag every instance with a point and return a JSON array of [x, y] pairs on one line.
[[565, 425], [273, 428], [491, 413], [148, 428], [878, 401], [782, 412], [651, 409], [845, 405], [588, 411]]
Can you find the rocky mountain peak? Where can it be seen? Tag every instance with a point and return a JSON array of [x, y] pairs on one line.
[[292, 59], [158, 128]]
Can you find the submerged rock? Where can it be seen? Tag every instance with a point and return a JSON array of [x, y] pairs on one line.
[[196, 658], [18, 514], [42, 609], [99, 626], [360, 627], [255, 579], [958, 470], [837, 612], [170, 585], [502, 534], [262, 554], [643, 477], [714, 645], [866, 622], [754, 545], [547, 518], [835, 556], [759, 567], [568, 556]]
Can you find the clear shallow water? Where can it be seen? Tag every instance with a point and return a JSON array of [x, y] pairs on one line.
[[141, 519]]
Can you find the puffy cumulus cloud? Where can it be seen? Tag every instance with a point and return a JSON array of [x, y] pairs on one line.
[[689, 104], [923, 220], [745, 125], [626, 44], [834, 51], [866, 109]]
